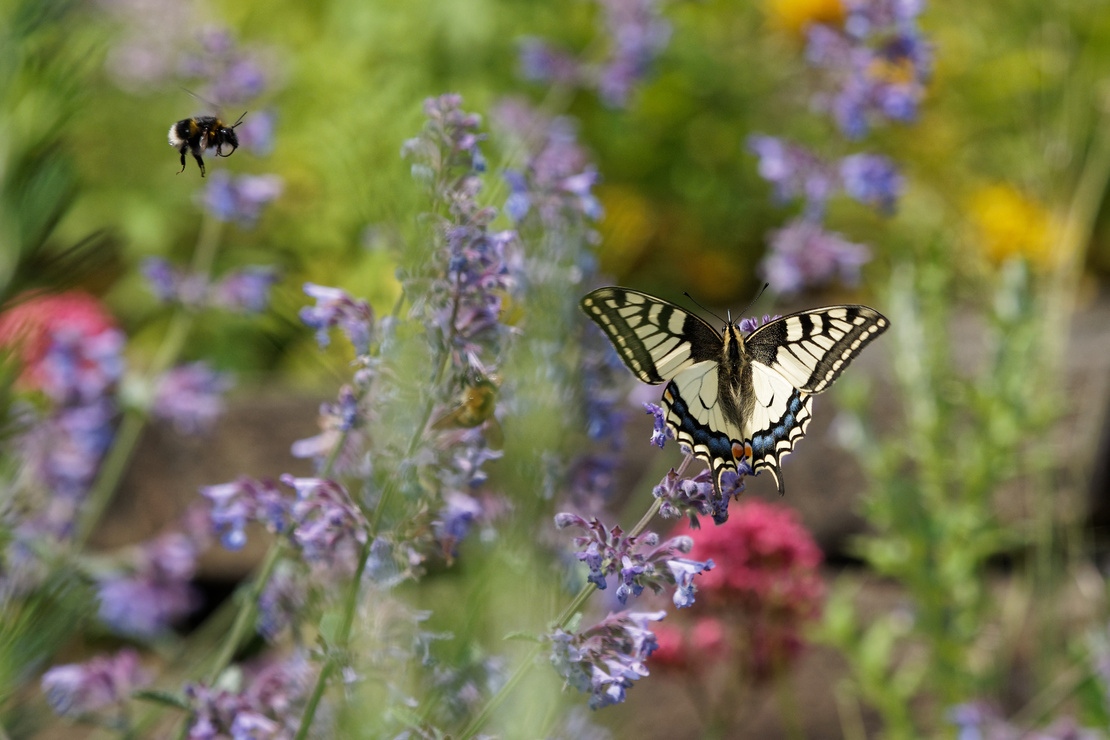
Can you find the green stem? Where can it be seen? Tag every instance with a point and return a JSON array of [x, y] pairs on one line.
[[341, 640], [498, 699], [108, 477], [245, 617]]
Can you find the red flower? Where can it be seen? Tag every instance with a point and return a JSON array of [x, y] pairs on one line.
[[767, 572]]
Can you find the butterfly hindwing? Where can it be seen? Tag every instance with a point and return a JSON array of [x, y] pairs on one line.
[[697, 420], [779, 419], [655, 339], [811, 348]]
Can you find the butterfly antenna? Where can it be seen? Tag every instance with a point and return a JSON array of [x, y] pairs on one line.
[[757, 296], [703, 308]]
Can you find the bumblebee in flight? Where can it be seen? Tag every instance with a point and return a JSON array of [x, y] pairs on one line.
[[199, 134]]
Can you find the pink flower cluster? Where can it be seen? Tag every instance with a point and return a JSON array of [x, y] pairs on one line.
[[767, 572]]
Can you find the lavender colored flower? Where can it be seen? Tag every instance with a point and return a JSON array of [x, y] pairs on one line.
[[540, 62], [256, 132], [327, 526], [660, 432], [228, 74], [872, 180], [334, 307], [455, 519], [795, 172], [804, 255], [236, 504], [878, 64], [748, 325], [460, 292], [466, 468], [268, 706], [171, 284], [604, 660], [161, 277], [191, 396], [79, 688], [246, 290], [158, 591], [694, 497], [450, 141], [466, 305], [640, 561], [591, 478], [80, 367], [464, 688], [338, 422], [639, 33], [558, 179], [240, 198], [683, 570], [65, 449]]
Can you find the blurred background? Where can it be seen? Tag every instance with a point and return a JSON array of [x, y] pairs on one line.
[[956, 480]]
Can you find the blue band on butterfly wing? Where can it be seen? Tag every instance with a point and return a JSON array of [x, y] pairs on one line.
[[698, 434], [765, 442]]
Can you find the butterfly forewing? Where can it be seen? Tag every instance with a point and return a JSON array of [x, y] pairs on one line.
[[654, 338], [811, 348]]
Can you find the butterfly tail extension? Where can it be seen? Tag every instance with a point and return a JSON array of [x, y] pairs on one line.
[[776, 473]]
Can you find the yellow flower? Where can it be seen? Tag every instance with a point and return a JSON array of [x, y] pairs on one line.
[[795, 15], [1009, 224]]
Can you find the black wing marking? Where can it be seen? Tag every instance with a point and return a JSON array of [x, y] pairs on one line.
[[811, 348], [655, 339]]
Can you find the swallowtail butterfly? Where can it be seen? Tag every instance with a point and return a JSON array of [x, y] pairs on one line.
[[733, 396]]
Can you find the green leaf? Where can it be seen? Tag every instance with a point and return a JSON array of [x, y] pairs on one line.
[[165, 698]]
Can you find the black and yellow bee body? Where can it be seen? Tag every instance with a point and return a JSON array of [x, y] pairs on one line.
[[200, 134]]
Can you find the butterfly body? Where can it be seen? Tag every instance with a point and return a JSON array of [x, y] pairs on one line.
[[729, 396]]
